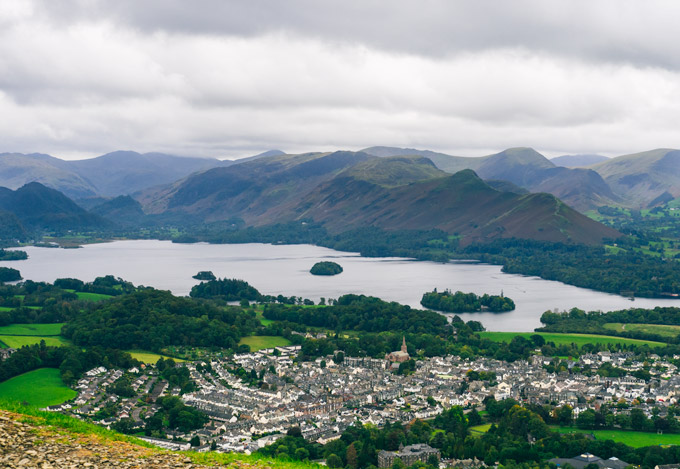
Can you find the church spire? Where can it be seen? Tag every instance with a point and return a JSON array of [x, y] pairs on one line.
[[403, 345]]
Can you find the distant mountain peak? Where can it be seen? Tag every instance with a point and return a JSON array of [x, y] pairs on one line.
[[578, 161], [273, 152]]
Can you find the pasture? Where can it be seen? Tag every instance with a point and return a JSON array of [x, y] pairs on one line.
[[42, 387], [259, 342]]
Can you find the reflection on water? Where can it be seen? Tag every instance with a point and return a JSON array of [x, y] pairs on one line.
[[284, 269]]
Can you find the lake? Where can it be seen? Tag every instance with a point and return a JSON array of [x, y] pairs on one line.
[[284, 269]]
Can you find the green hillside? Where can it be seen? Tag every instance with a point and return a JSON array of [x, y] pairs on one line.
[[459, 204]]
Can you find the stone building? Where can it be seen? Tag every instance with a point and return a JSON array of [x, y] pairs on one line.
[[409, 455]]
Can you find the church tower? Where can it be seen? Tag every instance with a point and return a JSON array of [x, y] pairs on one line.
[[403, 346]]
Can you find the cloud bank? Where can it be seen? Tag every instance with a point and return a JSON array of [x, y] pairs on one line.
[[228, 79]]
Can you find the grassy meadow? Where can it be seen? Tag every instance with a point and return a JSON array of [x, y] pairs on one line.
[[479, 430], [17, 341], [660, 329], [32, 329], [259, 342], [631, 438], [41, 387], [149, 357], [85, 296]]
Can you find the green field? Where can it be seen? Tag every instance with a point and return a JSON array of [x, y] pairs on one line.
[[631, 438], [41, 387], [17, 341], [659, 329], [479, 430], [148, 357], [263, 321], [92, 296], [32, 329], [259, 342], [566, 339]]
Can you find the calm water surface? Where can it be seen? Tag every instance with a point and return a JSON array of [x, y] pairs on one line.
[[284, 269]]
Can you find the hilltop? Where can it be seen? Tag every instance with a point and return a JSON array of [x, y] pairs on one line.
[[41, 208]]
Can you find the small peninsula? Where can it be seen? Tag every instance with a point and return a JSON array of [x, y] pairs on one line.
[[326, 268]]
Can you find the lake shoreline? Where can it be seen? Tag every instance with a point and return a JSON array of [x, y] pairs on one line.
[[284, 269]]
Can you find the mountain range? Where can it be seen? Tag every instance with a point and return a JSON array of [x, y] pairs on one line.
[[636, 181], [515, 193], [345, 190], [113, 174]]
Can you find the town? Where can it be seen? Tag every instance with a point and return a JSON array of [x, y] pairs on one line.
[[326, 396]]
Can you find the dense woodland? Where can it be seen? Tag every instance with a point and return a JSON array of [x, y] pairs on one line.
[[361, 313], [8, 274], [460, 302], [152, 319]]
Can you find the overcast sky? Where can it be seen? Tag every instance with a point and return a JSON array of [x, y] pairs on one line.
[[229, 79]]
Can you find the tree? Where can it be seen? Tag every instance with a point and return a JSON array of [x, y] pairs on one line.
[[586, 419], [638, 419], [301, 454], [565, 414], [213, 445], [339, 357], [352, 456], [195, 441], [294, 431], [333, 461]]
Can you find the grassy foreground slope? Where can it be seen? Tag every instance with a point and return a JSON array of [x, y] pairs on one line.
[[48, 437]]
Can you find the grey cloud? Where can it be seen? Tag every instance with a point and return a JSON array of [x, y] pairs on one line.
[[642, 33], [229, 79]]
